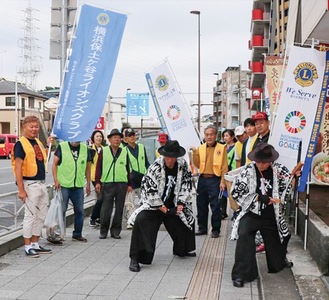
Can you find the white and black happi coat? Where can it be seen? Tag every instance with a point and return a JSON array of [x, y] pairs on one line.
[[153, 186], [244, 193]]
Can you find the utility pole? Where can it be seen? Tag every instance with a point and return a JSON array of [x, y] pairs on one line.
[[61, 31]]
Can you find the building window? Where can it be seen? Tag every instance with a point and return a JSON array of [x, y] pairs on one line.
[[10, 101], [31, 102], [40, 107]]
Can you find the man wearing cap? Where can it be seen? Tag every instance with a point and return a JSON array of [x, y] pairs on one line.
[[262, 127], [211, 160], [241, 136], [138, 165], [260, 190], [162, 139], [71, 168], [166, 198], [124, 140], [112, 172]]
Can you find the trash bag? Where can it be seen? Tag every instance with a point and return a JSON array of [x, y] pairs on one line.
[[54, 223]]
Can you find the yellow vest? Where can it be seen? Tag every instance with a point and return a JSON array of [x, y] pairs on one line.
[[217, 160], [94, 164], [251, 146], [29, 167]]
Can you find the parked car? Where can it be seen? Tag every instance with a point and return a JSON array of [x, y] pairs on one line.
[[7, 142]]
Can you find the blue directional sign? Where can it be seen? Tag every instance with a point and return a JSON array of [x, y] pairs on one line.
[[137, 104]]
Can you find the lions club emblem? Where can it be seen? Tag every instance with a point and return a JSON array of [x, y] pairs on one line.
[[162, 83], [305, 74]]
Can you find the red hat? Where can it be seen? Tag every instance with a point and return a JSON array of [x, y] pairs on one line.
[[162, 137], [260, 115]]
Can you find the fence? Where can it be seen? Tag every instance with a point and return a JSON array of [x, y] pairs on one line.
[[12, 210]]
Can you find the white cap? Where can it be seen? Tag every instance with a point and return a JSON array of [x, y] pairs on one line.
[[239, 130]]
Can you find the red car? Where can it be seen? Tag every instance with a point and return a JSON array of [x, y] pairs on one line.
[[7, 142]]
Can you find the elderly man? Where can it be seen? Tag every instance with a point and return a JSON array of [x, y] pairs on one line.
[[29, 166], [112, 172], [166, 198], [211, 160]]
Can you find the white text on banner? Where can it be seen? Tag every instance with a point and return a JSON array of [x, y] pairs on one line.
[[90, 70]]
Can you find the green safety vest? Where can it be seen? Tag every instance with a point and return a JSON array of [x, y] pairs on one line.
[[138, 164], [71, 173], [231, 159], [114, 170]]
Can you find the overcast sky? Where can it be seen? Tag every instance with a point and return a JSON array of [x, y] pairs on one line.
[[155, 30]]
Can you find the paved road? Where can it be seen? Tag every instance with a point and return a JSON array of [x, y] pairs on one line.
[[7, 179]]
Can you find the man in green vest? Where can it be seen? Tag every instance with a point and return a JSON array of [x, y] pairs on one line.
[[138, 167], [112, 172], [71, 167]]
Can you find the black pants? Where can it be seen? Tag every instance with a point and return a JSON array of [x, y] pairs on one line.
[[245, 266], [96, 213], [145, 232], [115, 192]]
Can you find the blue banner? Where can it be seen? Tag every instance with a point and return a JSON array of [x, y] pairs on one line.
[[95, 49], [137, 104], [316, 128]]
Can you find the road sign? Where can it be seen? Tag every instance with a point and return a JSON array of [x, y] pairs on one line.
[[137, 104]]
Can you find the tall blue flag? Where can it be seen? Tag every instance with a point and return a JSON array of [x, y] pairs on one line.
[[90, 70]]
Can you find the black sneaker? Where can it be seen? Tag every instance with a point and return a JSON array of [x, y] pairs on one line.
[[98, 222], [31, 253], [92, 223], [42, 250], [57, 243]]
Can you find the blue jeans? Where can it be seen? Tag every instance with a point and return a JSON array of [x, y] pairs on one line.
[[208, 192], [76, 195]]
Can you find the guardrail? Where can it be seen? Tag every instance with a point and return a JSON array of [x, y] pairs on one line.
[[16, 213]]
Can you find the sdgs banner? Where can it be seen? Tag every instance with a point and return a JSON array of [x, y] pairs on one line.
[[95, 49], [301, 107], [171, 108]]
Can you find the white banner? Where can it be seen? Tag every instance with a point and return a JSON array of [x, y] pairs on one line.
[[299, 107], [171, 108]]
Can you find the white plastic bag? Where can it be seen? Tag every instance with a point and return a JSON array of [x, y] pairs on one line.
[[54, 223]]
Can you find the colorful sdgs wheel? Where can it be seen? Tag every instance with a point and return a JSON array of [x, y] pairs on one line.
[[295, 122]]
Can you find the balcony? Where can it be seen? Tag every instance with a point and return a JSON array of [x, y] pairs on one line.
[[257, 14], [258, 75]]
